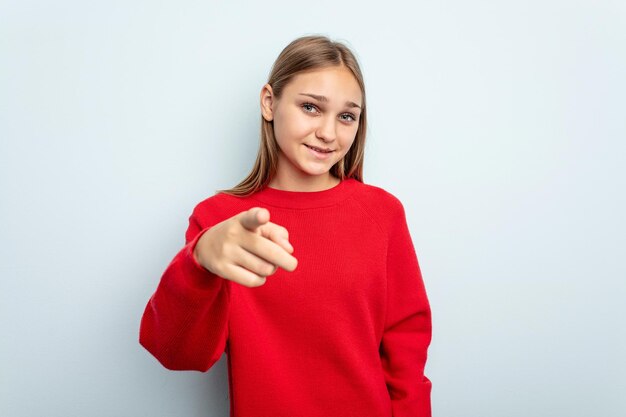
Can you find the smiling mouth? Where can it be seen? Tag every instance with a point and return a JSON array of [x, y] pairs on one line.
[[318, 149]]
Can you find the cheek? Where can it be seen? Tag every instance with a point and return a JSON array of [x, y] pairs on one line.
[[291, 127], [281, 131], [348, 136]]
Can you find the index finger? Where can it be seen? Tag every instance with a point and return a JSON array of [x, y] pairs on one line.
[[252, 218]]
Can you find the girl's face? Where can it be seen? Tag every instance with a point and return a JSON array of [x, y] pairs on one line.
[[318, 109]]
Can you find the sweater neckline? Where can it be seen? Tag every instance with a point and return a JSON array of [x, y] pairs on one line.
[[306, 199]]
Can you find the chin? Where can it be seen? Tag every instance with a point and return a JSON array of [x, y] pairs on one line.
[[315, 172]]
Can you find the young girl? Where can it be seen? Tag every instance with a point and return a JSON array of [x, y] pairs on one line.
[[303, 274]]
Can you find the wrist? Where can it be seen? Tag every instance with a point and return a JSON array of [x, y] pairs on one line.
[[198, 253]]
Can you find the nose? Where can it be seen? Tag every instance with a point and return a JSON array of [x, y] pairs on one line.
[[327, 129]]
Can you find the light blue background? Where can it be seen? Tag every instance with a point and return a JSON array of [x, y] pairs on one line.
[[499, 125]]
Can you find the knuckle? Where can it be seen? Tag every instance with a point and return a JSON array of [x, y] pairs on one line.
[[230, 232], [218, 268], [256, 282], [267, 269]]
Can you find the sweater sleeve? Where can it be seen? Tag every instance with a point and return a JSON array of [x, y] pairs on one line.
[[185, 323], [407, 331]]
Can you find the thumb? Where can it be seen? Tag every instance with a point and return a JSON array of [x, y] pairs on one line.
[[255, 217]]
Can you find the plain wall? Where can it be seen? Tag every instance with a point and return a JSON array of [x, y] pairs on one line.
[[499, 125]]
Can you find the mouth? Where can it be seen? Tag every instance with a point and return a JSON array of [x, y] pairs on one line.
[[320, 150]]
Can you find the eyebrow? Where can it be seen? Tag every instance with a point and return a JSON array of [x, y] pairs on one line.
[[325, 99]]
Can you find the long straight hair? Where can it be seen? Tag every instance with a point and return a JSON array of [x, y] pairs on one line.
[[303, 54]]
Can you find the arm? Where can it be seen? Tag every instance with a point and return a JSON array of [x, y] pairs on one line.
[[407, 332], [185, 324]]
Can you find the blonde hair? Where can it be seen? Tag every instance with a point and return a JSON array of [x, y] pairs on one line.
[[302, 54]]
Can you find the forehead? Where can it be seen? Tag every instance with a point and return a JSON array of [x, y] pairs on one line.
[[336, 83]]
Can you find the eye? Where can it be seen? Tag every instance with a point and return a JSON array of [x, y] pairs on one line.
[[307, 106]]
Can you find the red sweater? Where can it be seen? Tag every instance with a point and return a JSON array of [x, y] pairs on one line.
[[345, 334]]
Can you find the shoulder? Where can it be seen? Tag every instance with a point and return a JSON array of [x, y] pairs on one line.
[[216, 200], [379, 203], [216, 208], [377, 198]]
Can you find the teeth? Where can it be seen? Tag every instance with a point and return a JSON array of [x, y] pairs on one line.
[[318, 149]]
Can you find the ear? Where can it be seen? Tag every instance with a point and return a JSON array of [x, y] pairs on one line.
[[267, 101]]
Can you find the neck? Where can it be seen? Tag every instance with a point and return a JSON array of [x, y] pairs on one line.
[[304, 183]]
